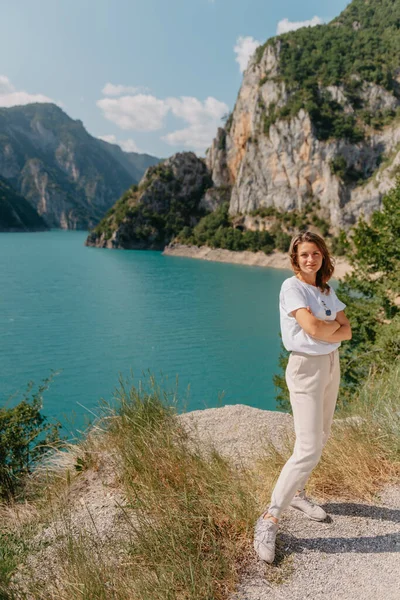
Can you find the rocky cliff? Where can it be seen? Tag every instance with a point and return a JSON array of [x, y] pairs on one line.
[[168, 198], [317, 117], [16, 214], [69, 177]]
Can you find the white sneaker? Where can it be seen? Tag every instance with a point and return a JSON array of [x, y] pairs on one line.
[[309, 508], [264, 538]]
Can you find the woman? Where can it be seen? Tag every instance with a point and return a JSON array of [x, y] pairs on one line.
[[313, 325]]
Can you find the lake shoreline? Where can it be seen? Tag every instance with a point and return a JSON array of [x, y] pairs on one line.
[[276, 260]]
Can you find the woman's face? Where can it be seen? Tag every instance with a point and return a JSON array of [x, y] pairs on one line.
[[309, 257]]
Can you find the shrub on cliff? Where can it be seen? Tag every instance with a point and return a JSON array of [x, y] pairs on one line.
[[208, 226]]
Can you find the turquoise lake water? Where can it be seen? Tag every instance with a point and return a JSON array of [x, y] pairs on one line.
[[92, 314]]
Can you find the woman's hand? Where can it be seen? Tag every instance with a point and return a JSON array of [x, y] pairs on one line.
[[344, 332]]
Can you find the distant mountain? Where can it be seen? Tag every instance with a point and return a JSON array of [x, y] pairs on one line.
[[133, 162], [16, 214], [70, 177]]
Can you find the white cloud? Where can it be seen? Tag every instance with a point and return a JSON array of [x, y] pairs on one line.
[[126, 145], [202, 118], [141, 112], [285, 25], [111, 139], [196, 112], [5, 85], [196, 137], [244, 49], [9, 96], [117, 90], [129, 145]]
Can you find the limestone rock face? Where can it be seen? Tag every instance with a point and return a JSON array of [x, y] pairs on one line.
[[216, 160], [215, 196], [286, 165]]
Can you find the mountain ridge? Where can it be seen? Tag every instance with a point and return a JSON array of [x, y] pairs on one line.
[[70, 177]]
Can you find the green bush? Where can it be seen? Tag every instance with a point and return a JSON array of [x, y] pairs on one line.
[[222, 140], [282, 241], [322, 225], [265, 211], [270, 118], [208, 225], [339, 244], [25, 435], [338, 166], [349, 175]]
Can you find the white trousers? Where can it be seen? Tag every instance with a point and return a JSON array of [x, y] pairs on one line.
[[313, 383]]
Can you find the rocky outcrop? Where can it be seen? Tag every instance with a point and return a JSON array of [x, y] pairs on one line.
[[215, 196], [282, 162], [69, 177], [149, 215]]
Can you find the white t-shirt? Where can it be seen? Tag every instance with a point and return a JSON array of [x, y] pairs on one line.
[[297, 294]]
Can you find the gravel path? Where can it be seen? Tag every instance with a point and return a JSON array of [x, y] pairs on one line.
[[354, 555]]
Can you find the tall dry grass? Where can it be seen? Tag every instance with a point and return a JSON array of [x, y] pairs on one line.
[[363, 452], [194, 513]]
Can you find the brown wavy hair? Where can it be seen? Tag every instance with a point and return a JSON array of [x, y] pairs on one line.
[[327, 267]]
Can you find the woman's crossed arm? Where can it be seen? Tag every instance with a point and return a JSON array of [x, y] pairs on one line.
[[326, 331]]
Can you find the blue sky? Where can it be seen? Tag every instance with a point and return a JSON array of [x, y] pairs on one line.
[[155, 76]]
